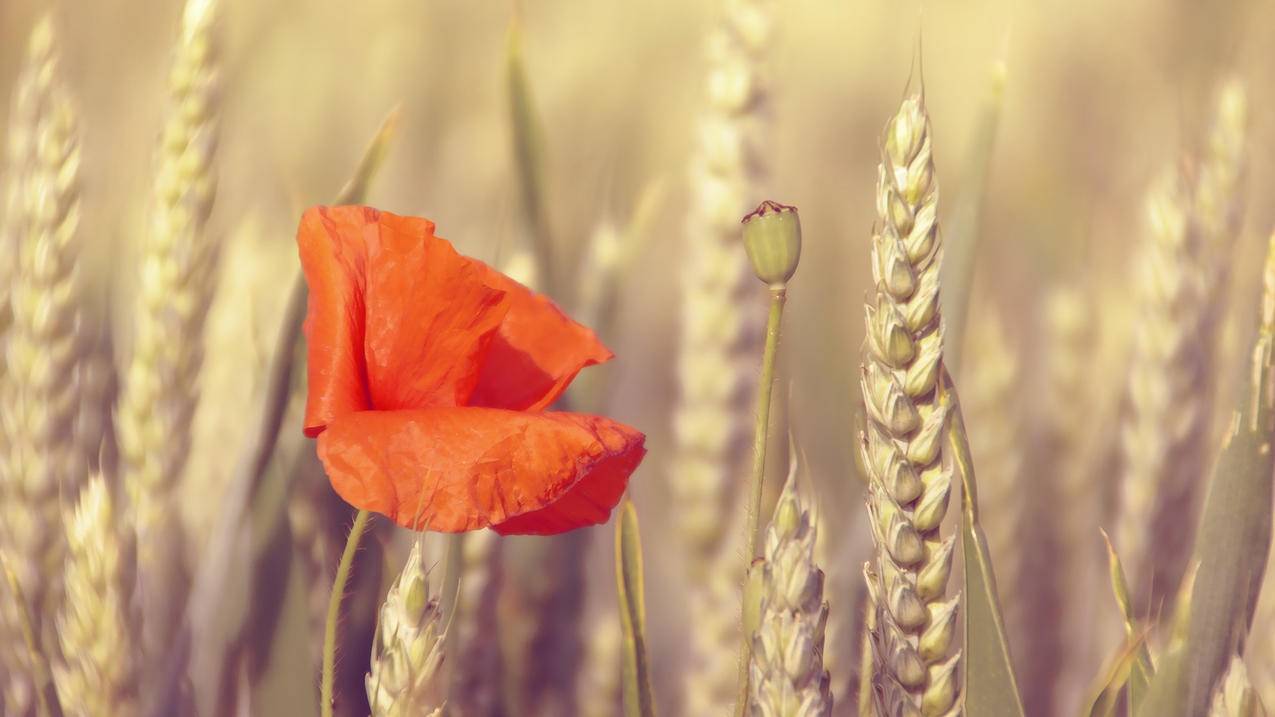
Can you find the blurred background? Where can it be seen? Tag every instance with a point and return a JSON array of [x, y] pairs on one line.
[[1090, 102]]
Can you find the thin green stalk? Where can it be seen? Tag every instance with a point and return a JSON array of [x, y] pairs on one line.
[[778, 293], [334, 612], [452, 569]]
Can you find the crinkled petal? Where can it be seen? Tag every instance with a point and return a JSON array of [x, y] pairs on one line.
[[431, 317], [537, 352], [333, 252], [397, 319], [458, 469]]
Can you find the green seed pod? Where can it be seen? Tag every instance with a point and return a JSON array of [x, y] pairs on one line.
[[772, 237]]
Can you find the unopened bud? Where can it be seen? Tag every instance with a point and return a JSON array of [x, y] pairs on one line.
[[772, 237]]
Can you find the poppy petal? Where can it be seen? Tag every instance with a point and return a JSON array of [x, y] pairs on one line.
[[537, 352], [430, 317], [334, 259], [458, 469]]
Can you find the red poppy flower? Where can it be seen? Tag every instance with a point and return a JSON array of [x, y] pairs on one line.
[[429, 375]]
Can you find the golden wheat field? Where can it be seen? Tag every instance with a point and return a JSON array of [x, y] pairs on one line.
[[781, 358]]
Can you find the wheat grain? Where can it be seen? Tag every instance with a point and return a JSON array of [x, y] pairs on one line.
[[719, 340], [408, 649], [97, 676], [903, 445], [39, 395], [786, 675], [179, 259]]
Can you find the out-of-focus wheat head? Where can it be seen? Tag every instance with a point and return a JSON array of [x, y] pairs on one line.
[[1068, 439], [1164, 403], [909, 484], [1180, 287], [786, 673], [97, 675], [178, 270], [720, 334], [409, 647], [39, 390], [599, 687]]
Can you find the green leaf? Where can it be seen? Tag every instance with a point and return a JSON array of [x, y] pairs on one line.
[[965, 225], [1232, 544], [638, 701], [991, 689], [1140, 669], [1104, 696], [528, 160]]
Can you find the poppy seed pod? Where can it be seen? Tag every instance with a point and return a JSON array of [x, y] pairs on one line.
[[772, 237]]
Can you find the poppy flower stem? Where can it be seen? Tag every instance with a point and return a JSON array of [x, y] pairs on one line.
[[328, 682], [778, 293]]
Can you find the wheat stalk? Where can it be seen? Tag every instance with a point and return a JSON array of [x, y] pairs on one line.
[[903, 445], [97, 676], [39, 396], [178, 262], [787, 675], [408, 649], [719, 341]]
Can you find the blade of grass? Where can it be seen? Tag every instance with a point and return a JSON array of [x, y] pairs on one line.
[[638, 700], [528, 163], [965, 228], [1140, 670], [991, 687]]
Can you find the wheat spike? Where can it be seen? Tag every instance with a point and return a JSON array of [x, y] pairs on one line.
[[178, 260], [408, 649], [97, 676], [39, 395], [787, 675], [1180, 289], [720, 336], [1165, 402], [909, 484]]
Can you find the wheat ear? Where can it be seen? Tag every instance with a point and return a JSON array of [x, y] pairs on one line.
[[915, 672], [179, 259], [39, 395], [787, 675], [409, 647], [97, 676], [719, 340]]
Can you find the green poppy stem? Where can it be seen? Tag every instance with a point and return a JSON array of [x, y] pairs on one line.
[[328, 682], [778, 293]]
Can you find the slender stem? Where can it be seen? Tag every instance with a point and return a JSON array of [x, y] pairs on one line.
[[328, 684], [778, 293], [451, 595]]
